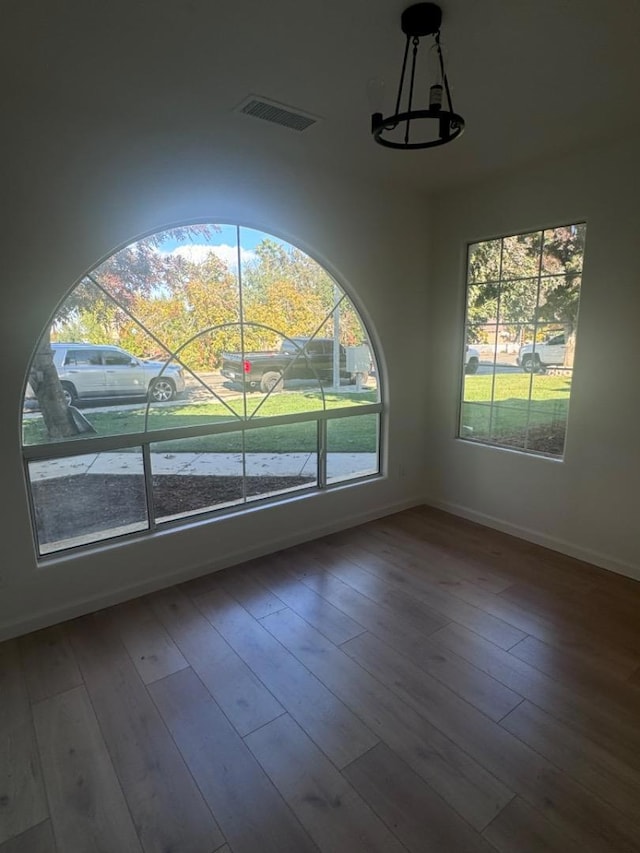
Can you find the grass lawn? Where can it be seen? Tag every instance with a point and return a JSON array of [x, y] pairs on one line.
[[346, 435], [509, 415]]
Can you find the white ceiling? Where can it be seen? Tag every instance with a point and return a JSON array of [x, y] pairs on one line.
[[532, 79]]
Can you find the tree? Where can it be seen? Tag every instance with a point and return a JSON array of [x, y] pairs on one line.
[[528, 279], [155, 303], [282, 281], [563, 257], [138, 268], [284, 306]]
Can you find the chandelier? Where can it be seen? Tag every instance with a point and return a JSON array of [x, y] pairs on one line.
[[411, 127]]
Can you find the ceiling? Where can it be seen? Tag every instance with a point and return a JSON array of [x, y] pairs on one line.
[[532, 79]]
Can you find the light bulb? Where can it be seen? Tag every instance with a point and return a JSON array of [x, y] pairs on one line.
[[434, 71], [435, 97]]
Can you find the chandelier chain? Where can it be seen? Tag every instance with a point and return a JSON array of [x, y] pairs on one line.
[[416, 42]]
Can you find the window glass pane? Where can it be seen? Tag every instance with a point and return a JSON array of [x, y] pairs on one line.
[[509, 425], [511, 388], [509, 416], [99, 392], [482, 345], [177, 282], [473, 353], [521, 255], [213, 394], [91, 315], [283, 288], [82, 499], [92, 421], [523, 325], [294, 312], [475, 419], [482, 304], [282, 380], [518, 301], [197, 474], [281, 459], [549, 410], [478, 382], [484, 261], [358, 369], [285, 401], [564, 249], [352, 447]]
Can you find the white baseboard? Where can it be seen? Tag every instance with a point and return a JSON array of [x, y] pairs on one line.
[[46, 618], [571, 549]]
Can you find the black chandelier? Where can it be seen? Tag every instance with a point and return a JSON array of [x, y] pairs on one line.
[[409, 125]]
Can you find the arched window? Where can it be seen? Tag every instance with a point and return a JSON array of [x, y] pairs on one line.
[[197, 370]]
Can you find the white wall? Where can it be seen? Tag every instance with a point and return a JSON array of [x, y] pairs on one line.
[[586, 505], [77, 195]]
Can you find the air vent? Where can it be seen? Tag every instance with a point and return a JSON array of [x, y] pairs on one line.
[[259, 107]]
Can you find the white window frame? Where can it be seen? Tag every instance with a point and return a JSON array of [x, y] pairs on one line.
[[143, 440], [539, 276]]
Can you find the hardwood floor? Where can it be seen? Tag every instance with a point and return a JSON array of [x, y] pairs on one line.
[[418, 683]]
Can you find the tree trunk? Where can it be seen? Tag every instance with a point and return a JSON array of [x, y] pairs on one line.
[[570, 346], [44, 380]]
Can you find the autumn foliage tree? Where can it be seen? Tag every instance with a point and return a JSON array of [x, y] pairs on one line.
[[105, 297], [159, 304]]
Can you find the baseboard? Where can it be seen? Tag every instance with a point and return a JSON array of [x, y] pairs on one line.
[[46, 618], [571, 549]]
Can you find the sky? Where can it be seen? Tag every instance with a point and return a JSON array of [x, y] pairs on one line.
[[223, 243]]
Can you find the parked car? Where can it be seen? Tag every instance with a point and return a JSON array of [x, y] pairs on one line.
[[545, 354], [471, 359], [92, 371], [298, 358]]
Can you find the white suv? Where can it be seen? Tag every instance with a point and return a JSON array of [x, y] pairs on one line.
[[96, 371], [471, 360], [546, 353]]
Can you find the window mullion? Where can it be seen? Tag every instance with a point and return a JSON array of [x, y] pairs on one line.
[[148, 484], [322, 454]]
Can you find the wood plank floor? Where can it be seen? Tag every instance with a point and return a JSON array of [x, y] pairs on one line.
[[417, 683]]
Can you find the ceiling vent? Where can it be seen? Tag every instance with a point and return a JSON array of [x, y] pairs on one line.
[[260, 107]]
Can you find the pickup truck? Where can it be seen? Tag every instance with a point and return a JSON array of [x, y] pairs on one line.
[[547, 353], [266, 369]]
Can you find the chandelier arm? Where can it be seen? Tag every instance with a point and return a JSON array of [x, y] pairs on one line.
[[404, 68], [452, 119], [416, 42]]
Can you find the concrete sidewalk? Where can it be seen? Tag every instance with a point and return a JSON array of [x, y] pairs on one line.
[[207, 464]]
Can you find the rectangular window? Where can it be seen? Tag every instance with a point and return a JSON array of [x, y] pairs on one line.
[[523, 293]]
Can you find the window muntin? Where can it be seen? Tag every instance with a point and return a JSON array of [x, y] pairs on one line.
[[181, 304], [523, 294]]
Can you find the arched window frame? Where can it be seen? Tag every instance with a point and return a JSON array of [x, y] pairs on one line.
[[144, 439]]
